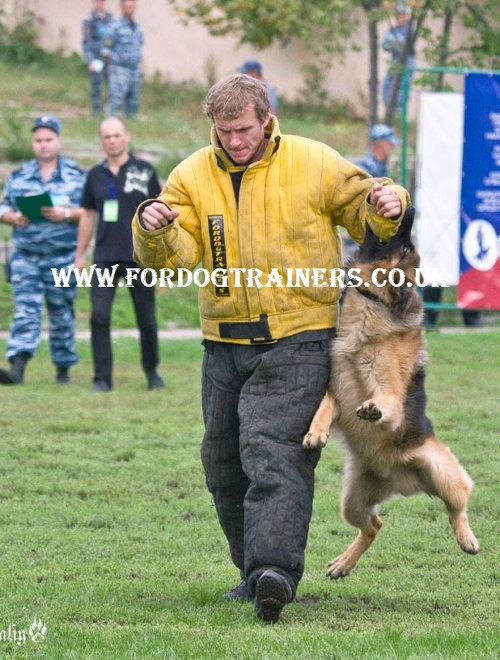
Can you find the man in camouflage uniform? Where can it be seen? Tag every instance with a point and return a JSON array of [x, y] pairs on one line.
[[94, 30], [394, 42], [382, 142], [123, 47], [46, 241]]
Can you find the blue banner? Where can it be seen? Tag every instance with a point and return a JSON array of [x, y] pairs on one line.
[[479, 283]]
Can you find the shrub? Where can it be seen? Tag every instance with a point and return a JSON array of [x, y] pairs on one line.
[[15, 142], [19, 34]]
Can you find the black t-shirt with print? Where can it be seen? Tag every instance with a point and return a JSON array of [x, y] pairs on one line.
[[136, 181]]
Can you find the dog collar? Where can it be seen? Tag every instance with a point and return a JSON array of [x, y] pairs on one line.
[[369, 295]]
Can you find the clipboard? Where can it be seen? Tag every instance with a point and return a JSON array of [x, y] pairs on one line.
[[30, 206]]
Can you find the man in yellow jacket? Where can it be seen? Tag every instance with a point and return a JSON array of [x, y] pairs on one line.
[[259, 212]]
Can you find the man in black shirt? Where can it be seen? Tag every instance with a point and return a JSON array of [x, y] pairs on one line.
[[112, 192]]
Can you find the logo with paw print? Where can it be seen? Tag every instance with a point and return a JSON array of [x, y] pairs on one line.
[[37, 631]]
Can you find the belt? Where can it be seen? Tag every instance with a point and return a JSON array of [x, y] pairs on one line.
[[256, 331], [126, 66]]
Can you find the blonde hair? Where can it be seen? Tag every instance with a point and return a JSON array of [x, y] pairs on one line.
[[229, 97]]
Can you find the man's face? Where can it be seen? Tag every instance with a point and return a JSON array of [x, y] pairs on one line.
[[243, 138], [46, 144], [128, 8], [99, 5], [402, 18], [385, 148], [114, 138]]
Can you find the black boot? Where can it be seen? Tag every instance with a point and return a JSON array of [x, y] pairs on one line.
[[62, 375], [15, 375], [155, 381]]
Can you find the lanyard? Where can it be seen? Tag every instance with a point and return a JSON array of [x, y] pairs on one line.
[[110, 181]]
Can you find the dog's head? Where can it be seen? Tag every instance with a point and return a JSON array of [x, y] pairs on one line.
[[399, 251], [398, 255]]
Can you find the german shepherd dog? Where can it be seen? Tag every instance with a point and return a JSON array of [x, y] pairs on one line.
[[376, 398]]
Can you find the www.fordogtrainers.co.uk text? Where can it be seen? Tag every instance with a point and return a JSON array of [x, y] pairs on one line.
[[239, 277]]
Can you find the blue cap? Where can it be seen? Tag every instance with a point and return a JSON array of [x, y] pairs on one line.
[[47, 121], [402, 8], [251, 65], [383, 132]]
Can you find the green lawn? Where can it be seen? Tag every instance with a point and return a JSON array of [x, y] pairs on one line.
[[110, 538], [175, 307]]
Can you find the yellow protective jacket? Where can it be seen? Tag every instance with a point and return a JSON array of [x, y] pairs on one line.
[[291, 203]]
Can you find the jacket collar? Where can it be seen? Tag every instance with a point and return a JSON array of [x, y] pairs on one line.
[[127, 21], [130, 160], [225, 163], [32, 170]]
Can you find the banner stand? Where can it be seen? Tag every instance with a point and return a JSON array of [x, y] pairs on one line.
[[459, 193]]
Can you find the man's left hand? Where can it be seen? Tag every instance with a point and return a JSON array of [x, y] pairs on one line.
[[54, 213], [386, 201]]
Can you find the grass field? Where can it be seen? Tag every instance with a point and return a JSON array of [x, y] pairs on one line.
[[110, 538]]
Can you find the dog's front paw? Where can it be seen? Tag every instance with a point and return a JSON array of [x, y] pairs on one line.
[[369, 411], [314, 439]]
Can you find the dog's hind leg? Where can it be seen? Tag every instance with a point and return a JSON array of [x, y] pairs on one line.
[[361, 494], [344, 563], [445, 477], [320, 425]]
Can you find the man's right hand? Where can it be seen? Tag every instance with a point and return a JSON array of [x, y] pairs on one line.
[[15, 218], [80, 262], [157, 215]]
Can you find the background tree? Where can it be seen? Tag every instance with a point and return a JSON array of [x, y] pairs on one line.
[[480, 46], [327, 28], [417, 21], [371, 9]]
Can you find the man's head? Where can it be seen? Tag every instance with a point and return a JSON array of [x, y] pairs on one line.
[[403, 13], [238, 106], [252, 68], [383, 140], [114, 136], [99, 5], [229, 97], [46, 143], [383, 132], [128, 8]]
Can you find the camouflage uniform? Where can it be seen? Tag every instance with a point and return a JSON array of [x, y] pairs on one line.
[[124, 45], [38, 247], [94, 31], [374, 167]]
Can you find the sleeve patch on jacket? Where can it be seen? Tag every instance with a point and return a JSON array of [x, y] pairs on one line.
[[218, 246]]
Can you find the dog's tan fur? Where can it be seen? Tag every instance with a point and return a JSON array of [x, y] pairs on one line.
[[377, 362]]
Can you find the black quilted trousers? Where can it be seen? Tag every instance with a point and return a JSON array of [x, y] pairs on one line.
[[258, 402]]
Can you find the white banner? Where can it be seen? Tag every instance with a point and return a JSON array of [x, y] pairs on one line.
[[438, 182]]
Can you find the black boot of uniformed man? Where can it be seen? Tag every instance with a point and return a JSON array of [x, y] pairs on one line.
[[15, 375]]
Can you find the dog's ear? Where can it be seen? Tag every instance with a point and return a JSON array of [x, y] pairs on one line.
[[404, 230]]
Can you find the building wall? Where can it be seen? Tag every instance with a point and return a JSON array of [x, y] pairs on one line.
[[181, 53]]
